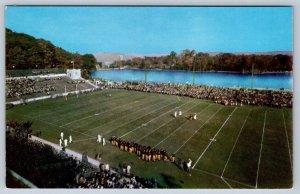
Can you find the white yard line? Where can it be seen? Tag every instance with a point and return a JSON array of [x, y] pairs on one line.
[[57, 126], [98, 113], [112, 121], [198, 129], [261, 145], [235, 143], [288, 143], [136, 118], [213, 138], [161, 126], [92, 105], [224, 178], [178, 128], [241, 183], [226, 183], [145, 124], [71, 104], [80, 140]]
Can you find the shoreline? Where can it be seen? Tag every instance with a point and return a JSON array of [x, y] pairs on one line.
[[170, 70], [197, 85]]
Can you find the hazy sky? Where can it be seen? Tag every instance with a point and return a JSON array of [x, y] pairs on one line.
[[157, 29]]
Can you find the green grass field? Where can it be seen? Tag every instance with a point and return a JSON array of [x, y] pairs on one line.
[[231, 147]]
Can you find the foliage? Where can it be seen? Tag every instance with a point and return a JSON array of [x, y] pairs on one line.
[[26, 52], [193, 61]]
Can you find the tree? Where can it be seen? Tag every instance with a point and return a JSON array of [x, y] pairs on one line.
[[88, 64]]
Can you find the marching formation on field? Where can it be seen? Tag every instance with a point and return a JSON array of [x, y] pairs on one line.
[[146, 153]]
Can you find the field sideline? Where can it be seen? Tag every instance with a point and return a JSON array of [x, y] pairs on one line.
[[231, 147]]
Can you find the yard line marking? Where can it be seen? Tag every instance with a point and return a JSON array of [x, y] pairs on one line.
[[241, 183], [235, 143], [94, 105], [206, 172], [72, 103], [218, 176], [226, 182], [75, 141], [119, 117], [214, 138], [261, 145], [288, 143], [198, 129], [56, 125], [99, 113], [137, 118], [179, 128], [161, 126], [145, 124]]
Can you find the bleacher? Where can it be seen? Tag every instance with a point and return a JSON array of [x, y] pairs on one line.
[[26, 88]]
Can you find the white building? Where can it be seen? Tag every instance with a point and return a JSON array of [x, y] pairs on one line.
[[74, 73]]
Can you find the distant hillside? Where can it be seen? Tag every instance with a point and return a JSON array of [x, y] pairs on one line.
[[272, 53], [27, 52], [108, 58]]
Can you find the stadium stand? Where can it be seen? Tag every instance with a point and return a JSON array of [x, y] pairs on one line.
[[225, 96], [47, 168], [25, 88]]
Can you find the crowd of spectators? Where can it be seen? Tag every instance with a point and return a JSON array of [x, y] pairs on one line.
[[225, 96], [26, 86], [48, 168], [22, 88], [76, 81]]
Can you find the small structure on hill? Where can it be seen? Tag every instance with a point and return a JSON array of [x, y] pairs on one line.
[[74, 73]]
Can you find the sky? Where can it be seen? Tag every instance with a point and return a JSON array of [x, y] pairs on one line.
[[156, 30]]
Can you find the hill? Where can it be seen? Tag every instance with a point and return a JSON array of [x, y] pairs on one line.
[[109, 58], [27, 52]]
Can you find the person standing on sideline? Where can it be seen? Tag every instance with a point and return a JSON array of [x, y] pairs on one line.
[[180, 113], [62, 135], [128, 169], [66, 142], [99, 138], [60, 142], [70, 139], [189, 166], [195, 116]]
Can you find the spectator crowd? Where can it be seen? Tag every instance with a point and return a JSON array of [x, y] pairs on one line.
[[225, 96], [26, 86], [48, 168]]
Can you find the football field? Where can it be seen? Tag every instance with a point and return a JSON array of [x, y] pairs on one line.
[[230, 146]]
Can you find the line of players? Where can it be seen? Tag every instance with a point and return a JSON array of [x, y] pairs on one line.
[[143, 152]]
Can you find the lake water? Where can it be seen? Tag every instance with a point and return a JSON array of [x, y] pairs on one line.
[[270, 80]]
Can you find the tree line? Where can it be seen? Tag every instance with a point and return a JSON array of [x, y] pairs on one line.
[[26, 52], [190, 60]]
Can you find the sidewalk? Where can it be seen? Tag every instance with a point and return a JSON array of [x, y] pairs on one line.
[[69, 152]]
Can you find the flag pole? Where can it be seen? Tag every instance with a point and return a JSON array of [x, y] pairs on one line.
[[76, 91], [66, 92]]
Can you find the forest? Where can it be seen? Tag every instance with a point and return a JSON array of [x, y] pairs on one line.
[[26, 52], [191, 60]]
